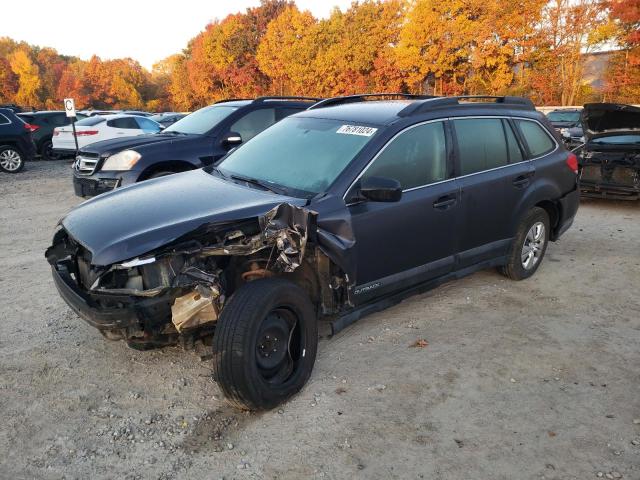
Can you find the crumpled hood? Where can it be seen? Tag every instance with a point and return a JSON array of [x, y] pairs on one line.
[[602, 119], [106, 147], [131, 221]]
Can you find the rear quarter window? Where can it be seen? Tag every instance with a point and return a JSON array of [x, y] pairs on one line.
[[536, 138]]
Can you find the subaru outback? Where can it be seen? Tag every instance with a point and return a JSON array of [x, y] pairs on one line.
[[333, 213]]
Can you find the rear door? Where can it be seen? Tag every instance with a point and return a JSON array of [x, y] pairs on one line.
[[493, 176], [407, 242]]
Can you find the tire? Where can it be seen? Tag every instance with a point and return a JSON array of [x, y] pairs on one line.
[[46, 151], [255, 369], [11, 159], [529, 246]]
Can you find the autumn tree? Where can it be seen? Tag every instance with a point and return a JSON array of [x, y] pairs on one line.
[[28, 75], [569, 30], [287, 50], [623, 74], [356, 51]]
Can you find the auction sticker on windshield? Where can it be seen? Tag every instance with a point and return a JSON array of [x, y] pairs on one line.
[[357, 130]]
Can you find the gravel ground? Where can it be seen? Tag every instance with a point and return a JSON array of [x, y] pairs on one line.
[[517, 380]]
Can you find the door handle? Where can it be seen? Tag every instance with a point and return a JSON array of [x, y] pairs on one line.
[[523, 180], [445, 202]]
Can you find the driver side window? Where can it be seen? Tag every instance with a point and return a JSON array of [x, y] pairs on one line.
[[254, 122], [416, 157]]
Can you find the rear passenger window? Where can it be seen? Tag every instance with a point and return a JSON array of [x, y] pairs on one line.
[[254, 122], [124, 122], [538, 140], [481, 144], [416, 157]]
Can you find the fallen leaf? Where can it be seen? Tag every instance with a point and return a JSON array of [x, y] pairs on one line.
[[341, 390], [551, 434], [421, 343]]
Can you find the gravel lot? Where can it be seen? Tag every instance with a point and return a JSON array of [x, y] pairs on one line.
[[529, 380]]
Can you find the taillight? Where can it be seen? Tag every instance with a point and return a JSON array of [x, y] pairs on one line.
[[84, 133], [31, 128], [56, 132], [572, 162]]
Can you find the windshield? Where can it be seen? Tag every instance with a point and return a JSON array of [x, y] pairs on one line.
[[201, 121], [572, 117], [301, 154], [618, 140]]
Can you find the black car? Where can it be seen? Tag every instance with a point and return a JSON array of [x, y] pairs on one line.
[[167, 119], [16, 143], [610, 157], [330, 214], [567, 121], [43, 125], [199, 139]]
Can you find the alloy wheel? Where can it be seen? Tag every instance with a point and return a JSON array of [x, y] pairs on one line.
[[10, 160], [533, 246]]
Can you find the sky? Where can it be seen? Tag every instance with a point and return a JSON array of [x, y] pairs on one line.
[[144, 30]]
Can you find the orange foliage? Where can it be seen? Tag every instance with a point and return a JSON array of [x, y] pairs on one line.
[[527, 47]]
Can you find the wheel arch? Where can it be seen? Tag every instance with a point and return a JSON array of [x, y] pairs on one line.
[[175, 166]]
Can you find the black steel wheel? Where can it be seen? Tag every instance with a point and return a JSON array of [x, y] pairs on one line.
[[265, 343]]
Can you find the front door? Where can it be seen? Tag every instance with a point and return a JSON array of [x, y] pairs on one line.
[[407, 242]]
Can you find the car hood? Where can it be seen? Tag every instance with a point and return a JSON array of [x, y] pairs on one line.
[[106, 147], [135, 220], [602, 119]]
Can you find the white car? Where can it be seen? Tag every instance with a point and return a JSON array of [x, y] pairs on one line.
[[94, 129]]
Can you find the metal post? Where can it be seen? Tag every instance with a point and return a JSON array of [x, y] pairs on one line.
[[75, 137]]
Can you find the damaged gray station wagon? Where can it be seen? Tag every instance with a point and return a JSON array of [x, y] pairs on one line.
[[331, 214]]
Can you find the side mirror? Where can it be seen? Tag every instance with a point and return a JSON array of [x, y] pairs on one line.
[[232, 138], [379, 189]]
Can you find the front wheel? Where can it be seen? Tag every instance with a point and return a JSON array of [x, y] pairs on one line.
[[529, 246], [11, 159], [265, 343]]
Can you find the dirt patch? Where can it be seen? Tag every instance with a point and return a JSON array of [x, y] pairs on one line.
[[504, 364]]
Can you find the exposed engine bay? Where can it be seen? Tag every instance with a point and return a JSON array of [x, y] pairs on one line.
[[177, 292]]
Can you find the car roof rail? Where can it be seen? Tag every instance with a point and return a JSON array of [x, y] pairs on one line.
[[293, 97], [329, 102], [465, 101], [225, 100]]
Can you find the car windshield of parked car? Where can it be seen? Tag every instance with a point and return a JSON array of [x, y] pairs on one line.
[[564, 116], [89, 121], [301, 155], [201, 121], [618, 140]]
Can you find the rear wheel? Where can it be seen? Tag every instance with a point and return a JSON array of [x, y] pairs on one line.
[[47, 151], [529, 246], [11, 159], [265, 343]]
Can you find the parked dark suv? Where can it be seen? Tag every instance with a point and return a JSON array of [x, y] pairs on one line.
[[16, 143], [330, 214], [197, 140], [43, 125]]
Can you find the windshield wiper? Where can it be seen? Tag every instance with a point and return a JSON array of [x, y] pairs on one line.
[[259, 183], [173, 132]]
